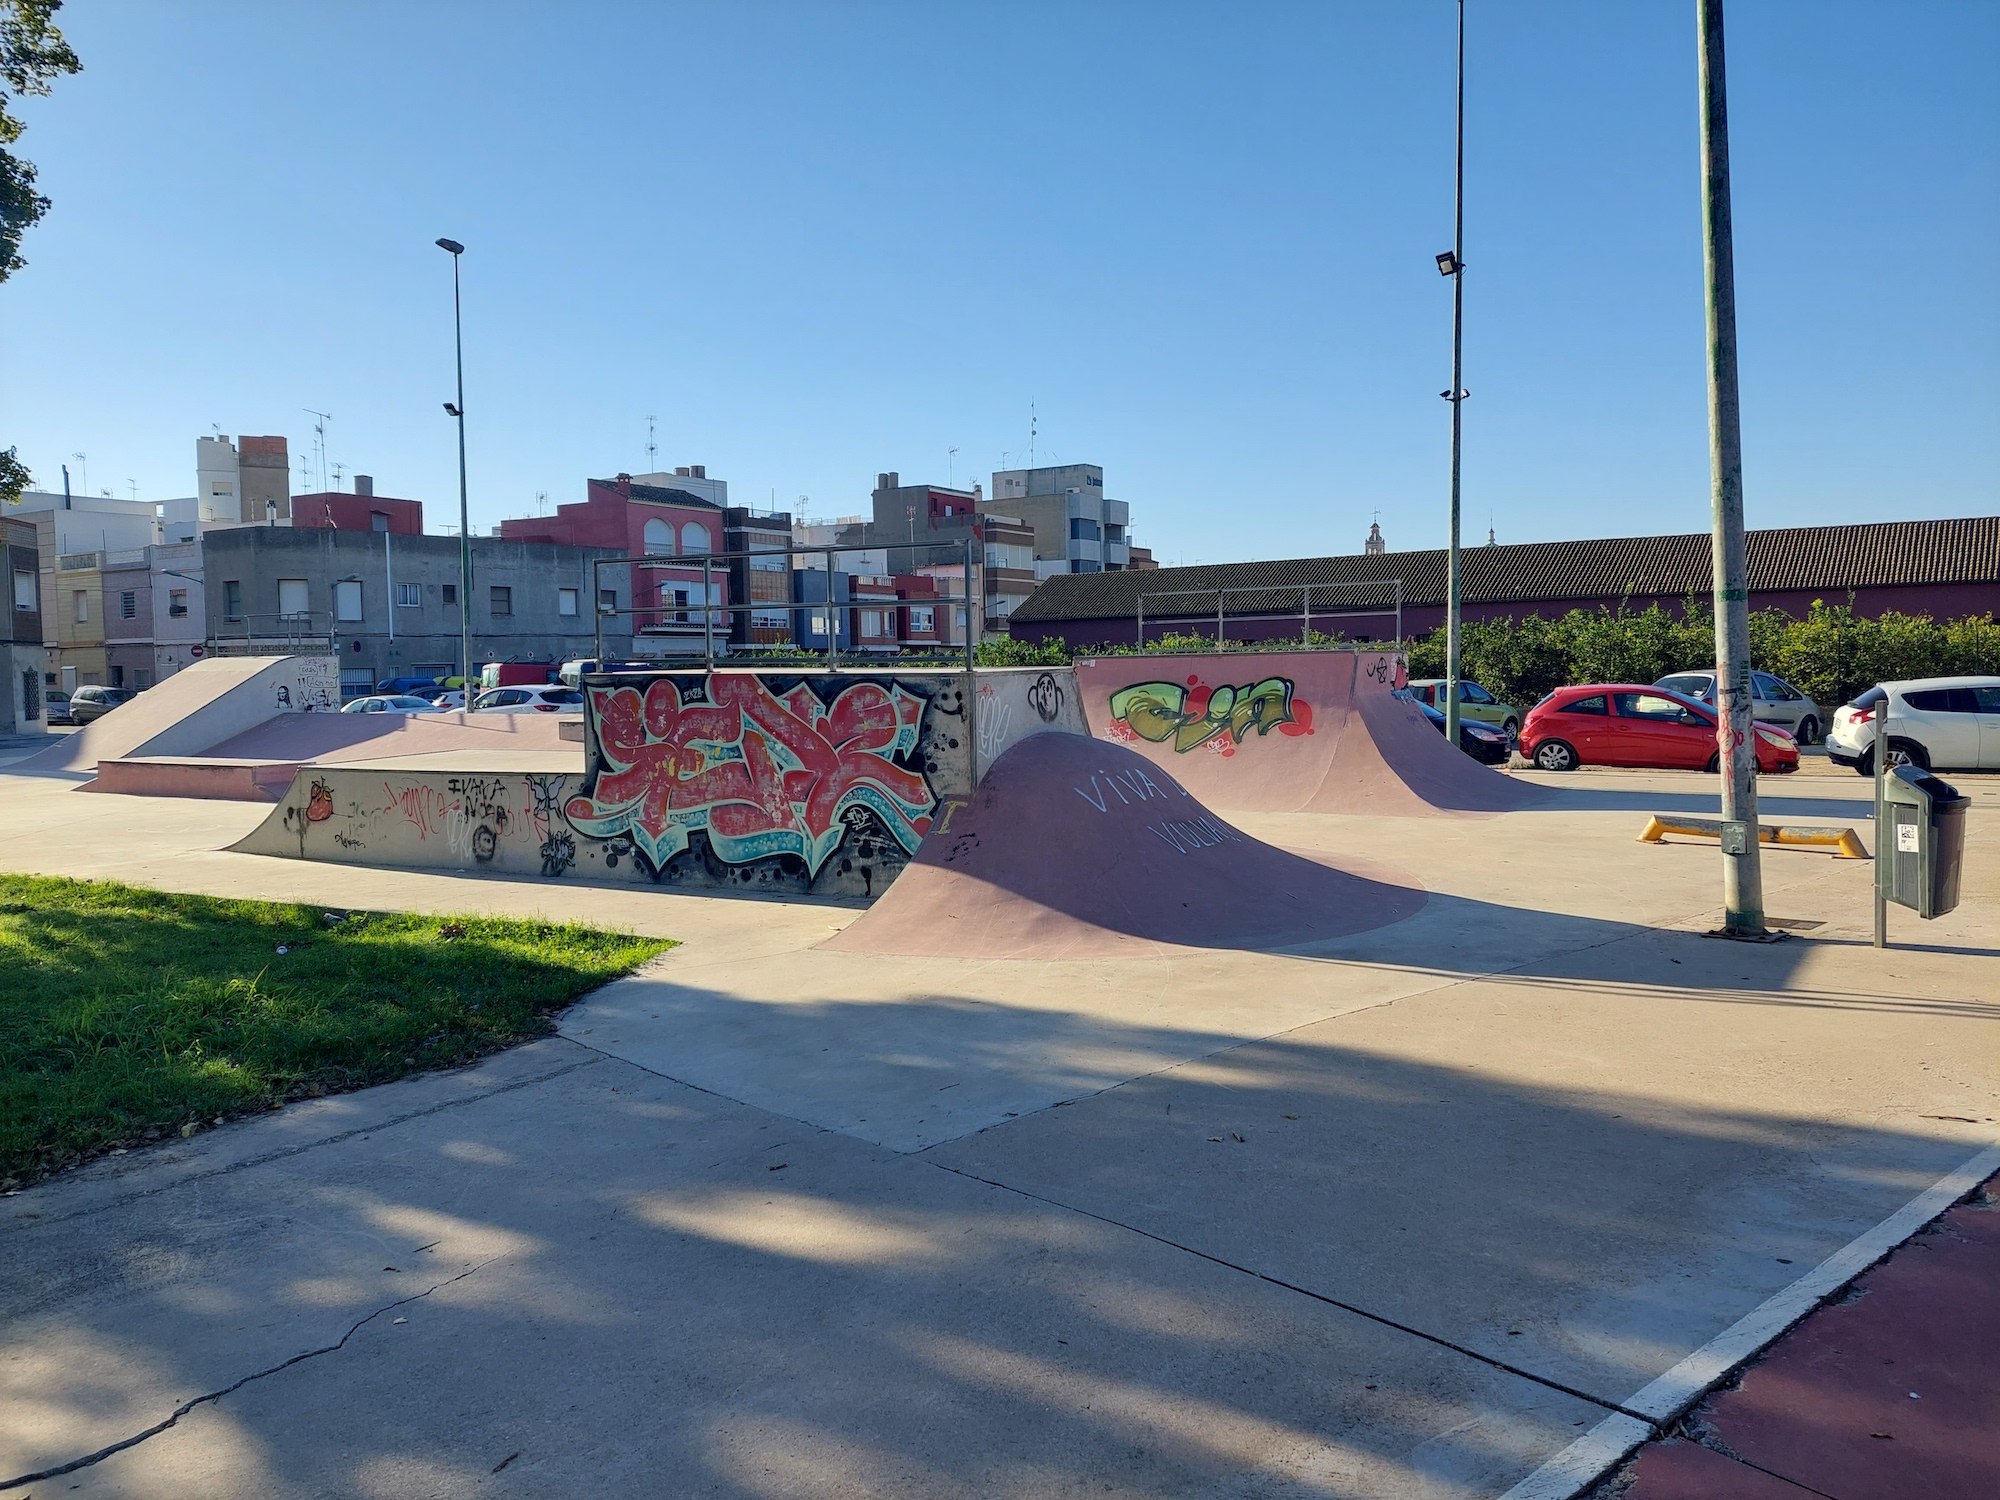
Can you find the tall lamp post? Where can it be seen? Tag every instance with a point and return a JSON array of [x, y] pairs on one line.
[[1452, 263], [1736, 749], [457, 411]]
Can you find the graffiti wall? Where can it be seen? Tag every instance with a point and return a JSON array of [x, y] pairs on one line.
[[1015, 702], [824, 784]]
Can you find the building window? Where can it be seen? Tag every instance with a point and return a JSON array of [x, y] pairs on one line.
[[232, 600], [142, 678], [118, 676], [923, 621], [25, 596], [31, 696], [177, 603], [448, 592], [128, 604], [566, 602], [1082, 529], [659, 538], [499, 600], [871, 623], [607, 601], [80, 603], [1113, 532], [377, 521], [293, 597], [347, 599], [694, 539], [409, 595]]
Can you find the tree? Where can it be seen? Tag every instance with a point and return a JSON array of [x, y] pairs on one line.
[[14, 477], [32, 52]]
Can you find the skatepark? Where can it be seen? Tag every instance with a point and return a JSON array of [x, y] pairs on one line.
[[1174, 1075]]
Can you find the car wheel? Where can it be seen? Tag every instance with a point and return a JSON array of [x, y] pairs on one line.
[[1714, 764], [1908, 753], [1809, 730], [1512, 728], [1555, 755]]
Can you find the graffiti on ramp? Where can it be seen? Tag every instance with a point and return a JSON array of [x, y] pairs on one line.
[[759, 773], [1190, 716]]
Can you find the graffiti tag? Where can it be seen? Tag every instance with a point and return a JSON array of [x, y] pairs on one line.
[[1045, 697], [760, 773], [1127, 786], [1202, 833], [1193, 715]]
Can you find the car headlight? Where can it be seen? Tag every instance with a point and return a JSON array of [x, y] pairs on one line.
[[1776, 736]]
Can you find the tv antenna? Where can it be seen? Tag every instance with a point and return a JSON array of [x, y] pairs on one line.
[[541, 502], [82, 471], [1031, 434], [338, 470], [951, 471], [652, 450], [319, 442]]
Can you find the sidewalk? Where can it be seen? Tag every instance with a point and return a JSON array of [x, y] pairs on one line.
[[1891, 1391]]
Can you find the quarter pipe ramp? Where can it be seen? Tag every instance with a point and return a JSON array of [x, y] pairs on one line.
[[1074, 848]]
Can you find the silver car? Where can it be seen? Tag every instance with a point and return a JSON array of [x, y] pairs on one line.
[[1776, 701]]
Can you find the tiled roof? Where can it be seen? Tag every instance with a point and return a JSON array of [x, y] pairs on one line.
[[1830, 558], [661, 495]]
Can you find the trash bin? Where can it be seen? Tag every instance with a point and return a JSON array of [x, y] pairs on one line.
[[1919, 841]]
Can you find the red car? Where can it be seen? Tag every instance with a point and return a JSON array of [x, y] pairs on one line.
[[1627, 724]]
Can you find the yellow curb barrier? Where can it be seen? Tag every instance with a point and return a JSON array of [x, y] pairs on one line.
[[1845, 842]]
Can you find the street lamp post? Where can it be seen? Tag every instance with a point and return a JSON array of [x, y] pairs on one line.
[[1736, 747], [457, 410], [1452, 264]]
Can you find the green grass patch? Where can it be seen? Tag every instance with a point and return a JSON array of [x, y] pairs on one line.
[[127, 1015]]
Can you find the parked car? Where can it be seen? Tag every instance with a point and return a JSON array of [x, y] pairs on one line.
[[1774, 701], [450, 698], [1483, 742], [529, 700], [389, 703], [57, 706], [415, 686], [1939, 723], [1474, 702], [89, 703], [1625, 724]]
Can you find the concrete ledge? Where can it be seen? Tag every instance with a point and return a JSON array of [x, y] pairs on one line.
[[1845, 842], [193, 776]]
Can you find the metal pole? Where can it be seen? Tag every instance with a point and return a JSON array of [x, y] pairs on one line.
[[597, 609], [971, 679], [1453, 582], [389, 584], [1742, 874], [464, 520], [708, 613], [1218, 619], [1306, 615], [832, 620], [1884, 836]]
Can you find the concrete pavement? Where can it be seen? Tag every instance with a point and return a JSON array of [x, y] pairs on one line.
[[1403, 1214]]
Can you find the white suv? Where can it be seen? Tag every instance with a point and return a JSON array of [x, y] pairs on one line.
[[527, 700], [1940, 723]]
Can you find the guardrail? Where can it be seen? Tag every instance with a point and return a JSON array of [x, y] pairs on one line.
[[1304, 613]]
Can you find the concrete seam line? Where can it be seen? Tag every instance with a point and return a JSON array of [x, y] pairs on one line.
[[1667, 1398], [331, 1140], [187, 1406], [1349, 1307]]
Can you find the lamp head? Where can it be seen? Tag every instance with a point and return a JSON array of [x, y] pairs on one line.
[[1447, 263], [452, 411], [452, 245]]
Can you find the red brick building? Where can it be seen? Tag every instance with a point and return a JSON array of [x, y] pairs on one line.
[[650, 521], [364, 510]]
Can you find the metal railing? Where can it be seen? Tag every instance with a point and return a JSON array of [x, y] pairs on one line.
[[790, 608], [1304, 613], [306, 633]]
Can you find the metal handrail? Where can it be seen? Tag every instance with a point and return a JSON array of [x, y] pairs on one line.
[[1305, 605]]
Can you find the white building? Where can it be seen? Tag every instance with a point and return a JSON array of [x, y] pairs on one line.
[[1077, 530]]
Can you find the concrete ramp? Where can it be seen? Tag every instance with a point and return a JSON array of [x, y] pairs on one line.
[[193, 709], [1307, 731], [1074, 848], [335, 738]]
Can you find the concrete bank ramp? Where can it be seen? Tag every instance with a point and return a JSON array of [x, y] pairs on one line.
[[343, 737], [1075, 848], [1307, 731], [193, 709]]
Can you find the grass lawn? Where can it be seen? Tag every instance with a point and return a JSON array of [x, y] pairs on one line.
[[127, 1015]]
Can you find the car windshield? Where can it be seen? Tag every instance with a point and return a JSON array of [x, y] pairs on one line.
[[408, 702]]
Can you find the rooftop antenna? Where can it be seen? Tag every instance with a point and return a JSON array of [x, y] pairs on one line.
[[1031, 434], [319, 441], [541, 502], [652, 451], [951, 469], [82, 471], [338, 470], [133, 485], [216, 428]]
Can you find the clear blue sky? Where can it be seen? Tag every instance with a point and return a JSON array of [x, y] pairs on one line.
[[821, 240]]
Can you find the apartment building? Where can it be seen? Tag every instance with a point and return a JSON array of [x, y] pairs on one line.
[[24, 660], [1077, 530], [246, 482], [388, 606]]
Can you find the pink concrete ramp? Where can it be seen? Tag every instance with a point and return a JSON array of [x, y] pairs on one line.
[[323, 739], [1306, 731], [1075, 848]]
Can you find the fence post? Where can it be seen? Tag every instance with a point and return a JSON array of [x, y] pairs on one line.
[[708, 612], [1218, 619], [1306, 615], [832, 620], [971, 679]]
